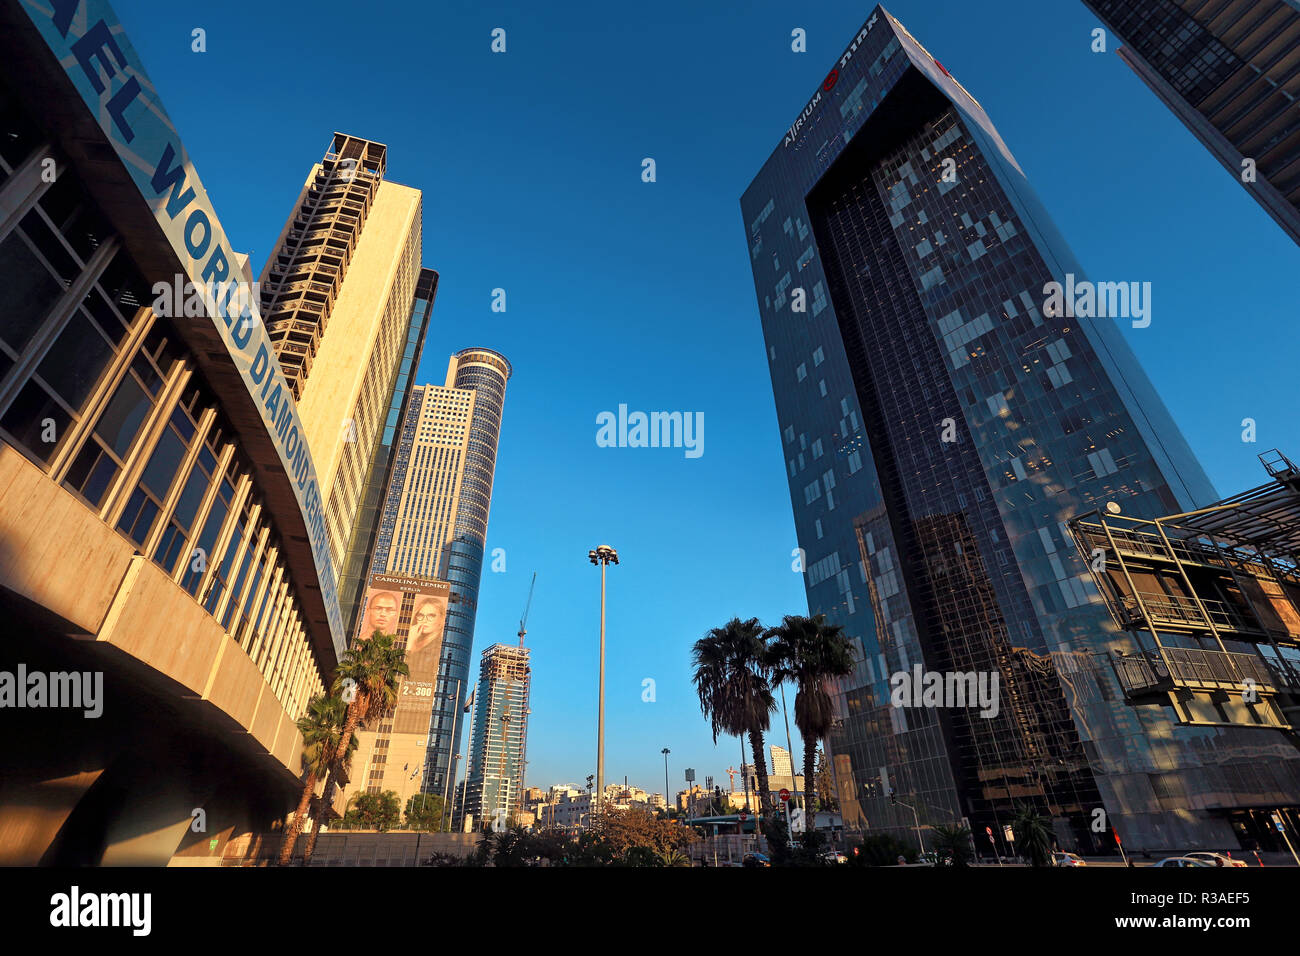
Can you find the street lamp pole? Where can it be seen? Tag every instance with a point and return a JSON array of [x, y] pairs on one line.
[[602, 556], [665, 752], [451, 762]]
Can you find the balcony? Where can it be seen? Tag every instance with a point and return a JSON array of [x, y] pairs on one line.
[[1155, 673], [1170, 610]]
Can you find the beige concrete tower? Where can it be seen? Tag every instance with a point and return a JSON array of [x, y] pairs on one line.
[[336, 296]]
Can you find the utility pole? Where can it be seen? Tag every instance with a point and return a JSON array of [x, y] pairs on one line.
[[665, 752]]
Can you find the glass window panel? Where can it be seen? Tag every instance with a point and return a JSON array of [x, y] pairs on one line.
[[211, 528], [138, 517], [148, 373], [105, 316], [164, 461], [76, 360], [123, 416], [91, 472], [18, 136], [191, 496], [48, 244], [29, 292], [34, 416]]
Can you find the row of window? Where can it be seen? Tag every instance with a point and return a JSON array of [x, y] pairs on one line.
[[100, 393]]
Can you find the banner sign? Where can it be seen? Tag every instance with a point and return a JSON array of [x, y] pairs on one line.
[[415, 611], [91, 46]]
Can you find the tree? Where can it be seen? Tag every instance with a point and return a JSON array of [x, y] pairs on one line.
[[954, 842], [321, 728], [637, 837], [1033, 837], [323, 809], [807, 652], [373, 811], [733, 680], [881, 849], [369, 671], [424, 811]]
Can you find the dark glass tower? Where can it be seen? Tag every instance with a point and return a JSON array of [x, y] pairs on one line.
[[1230, 70], [939, 427]]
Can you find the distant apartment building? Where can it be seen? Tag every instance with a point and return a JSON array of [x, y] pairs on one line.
[[1230, 71], [781, 765], [499, 736]]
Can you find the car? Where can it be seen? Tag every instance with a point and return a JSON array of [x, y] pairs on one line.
[[834, 856], [1182, 861], [1215, 859], [757, 859], [1061, 858]]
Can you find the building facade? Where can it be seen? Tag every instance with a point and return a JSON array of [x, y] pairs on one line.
[[434, 521], [941, 422], [338, 294], [368, 523], [1230, 71], [161, 524], [499, 739]]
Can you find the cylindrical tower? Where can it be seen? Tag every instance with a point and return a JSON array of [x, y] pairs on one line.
[[485, 373]]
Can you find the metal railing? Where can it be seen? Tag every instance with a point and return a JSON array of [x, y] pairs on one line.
[[1169, 667], [1161, 608]]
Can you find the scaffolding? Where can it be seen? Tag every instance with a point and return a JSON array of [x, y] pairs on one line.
[[1212, 599]]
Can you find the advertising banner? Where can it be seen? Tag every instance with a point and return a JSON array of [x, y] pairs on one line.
[[415, 610]]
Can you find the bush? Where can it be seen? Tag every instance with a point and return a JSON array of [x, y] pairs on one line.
[[881, 849]]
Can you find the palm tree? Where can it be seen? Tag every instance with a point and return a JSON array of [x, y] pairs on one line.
[[807, 652], [953, 841], [370, 669], [734, 683], [339, 763], [321, 728], [1033, 838]]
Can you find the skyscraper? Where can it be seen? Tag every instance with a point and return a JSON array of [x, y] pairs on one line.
[[940, 421], [500, 735], [383, 460], [434, 520], [337, 295], [1230, 70]]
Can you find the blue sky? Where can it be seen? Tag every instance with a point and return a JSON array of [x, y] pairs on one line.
[[619, 291]]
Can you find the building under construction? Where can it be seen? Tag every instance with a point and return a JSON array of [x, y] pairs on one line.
[[1211, 599], [500, 735]]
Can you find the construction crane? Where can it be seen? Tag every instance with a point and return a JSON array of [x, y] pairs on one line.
[[529, 603]]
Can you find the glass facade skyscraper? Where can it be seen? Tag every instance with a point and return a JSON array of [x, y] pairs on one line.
[[434, 520], [940, 425], [1230, 70]]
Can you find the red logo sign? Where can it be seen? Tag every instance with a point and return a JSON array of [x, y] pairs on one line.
[[829, 83]]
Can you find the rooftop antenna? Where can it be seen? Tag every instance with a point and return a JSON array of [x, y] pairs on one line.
[[529, 603]]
